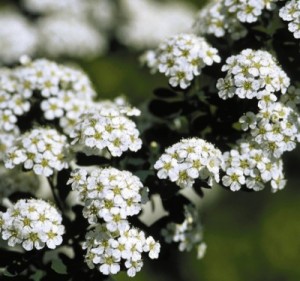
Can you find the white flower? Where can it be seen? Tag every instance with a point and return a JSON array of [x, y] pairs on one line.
[[152, 247], [248, 120], [53, 108], [133, 267], [181, 76], [234, 178], [7, 120], [109, 264]]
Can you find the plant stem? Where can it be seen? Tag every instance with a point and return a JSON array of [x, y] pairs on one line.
[[55, 196]]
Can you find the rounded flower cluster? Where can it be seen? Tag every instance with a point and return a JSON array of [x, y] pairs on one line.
[[252, 74], [53, 6], [32, 223], [67, 35], [148, 22], [251, 166], [219, 16], [188, 160], [111, 196], [215, 19], [248, 10], [110, 251], [291, 13], [188, 234], [105, 129], [41, 150], [275, 128], [61, 93], [181, 58], [17, 37], [69, 28]]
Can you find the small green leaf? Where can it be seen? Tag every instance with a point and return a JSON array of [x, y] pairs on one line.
[[58, 266], [143, 174]]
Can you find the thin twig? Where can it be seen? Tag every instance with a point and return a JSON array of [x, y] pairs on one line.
[[55, 196]]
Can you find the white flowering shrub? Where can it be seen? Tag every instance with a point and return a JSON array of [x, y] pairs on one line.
[[92, 187]]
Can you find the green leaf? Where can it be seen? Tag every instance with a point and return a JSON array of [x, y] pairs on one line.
[[58, 266], [143, 174]]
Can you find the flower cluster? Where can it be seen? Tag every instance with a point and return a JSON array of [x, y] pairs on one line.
[[249, 165], [41, 150], [72, 36], [181, 58], [219, 17], [109, 250], [60, 92], [148, 22], [54, 6], [248, 10], [12, 103], [106, 128], [111, 196], [188, 160], [215, 19], [17, 37], [252, 74], [291, 13], [274, 127], [33, 223], [188, 234], [72, 28]]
